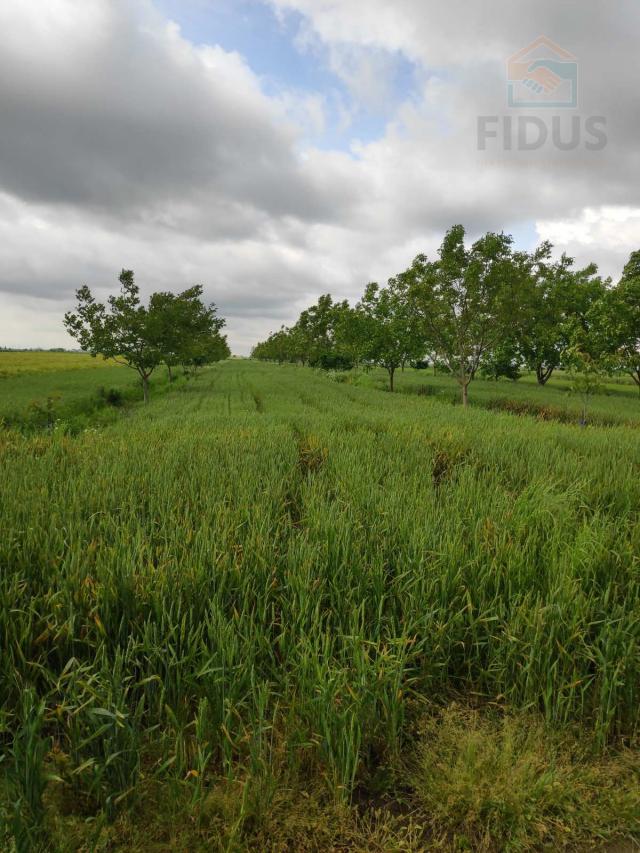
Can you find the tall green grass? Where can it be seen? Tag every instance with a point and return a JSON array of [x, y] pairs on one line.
[[269, 573], [617, 403]]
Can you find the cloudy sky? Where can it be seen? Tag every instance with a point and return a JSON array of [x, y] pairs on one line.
[[274, 150]]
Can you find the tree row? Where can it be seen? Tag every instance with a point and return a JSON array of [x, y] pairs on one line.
[[481, 308]]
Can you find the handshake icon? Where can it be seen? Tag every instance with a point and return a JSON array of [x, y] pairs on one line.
[[542, 75]]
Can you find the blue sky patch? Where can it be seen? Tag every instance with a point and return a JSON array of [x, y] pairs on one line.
[[271, 47]]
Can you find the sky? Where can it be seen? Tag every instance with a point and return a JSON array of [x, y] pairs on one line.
[[275, 150]]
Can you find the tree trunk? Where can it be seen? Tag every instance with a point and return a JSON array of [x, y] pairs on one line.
[[145, 387], [465, 394], [391, 371], [543, 375], [170, 373]]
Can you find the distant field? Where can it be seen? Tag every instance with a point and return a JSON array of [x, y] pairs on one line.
[[14, 363], [67, 382], [272, 611]]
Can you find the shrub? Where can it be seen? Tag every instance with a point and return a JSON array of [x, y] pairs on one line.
[[334, 361], [111, 396]]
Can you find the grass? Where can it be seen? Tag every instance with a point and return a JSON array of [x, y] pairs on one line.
[[505, 782], [24, 362], [241, 613], [67, 391], [618, 403]]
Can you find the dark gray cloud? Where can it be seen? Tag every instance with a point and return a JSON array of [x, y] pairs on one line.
[[126, 116]]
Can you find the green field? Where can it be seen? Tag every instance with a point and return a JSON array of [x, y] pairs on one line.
[[39, 388], [618, 401], [21, 362], [275, 611]]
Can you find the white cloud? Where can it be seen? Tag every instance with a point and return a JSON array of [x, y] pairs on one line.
[[608, 233]]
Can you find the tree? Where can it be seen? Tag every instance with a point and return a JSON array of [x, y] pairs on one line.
[[353, 333], [617, 319], [314, 339], [204, 349], [315, 330], [174, 329], [503, 362], [186, 331], [554, 298], [280, 346], [393, 333], [124, 332], [485, 307], [587, 376], [466, 300], [166, 310]]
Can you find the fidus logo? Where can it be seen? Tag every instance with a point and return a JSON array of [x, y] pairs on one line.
[[541, 77], [530, 133], [544, 75]]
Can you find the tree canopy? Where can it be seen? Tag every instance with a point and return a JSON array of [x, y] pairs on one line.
[[480, 307], [465, 300], [617, 319], [173, 329], [394, 334]]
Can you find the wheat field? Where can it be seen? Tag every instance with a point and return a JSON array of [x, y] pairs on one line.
[[275, 602]]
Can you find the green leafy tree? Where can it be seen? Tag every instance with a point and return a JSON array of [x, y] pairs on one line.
[[280, 346], [354, 331], [187, 331], [315, 330], [617, 320], [503, 362], [313, 340], [393, 334], [554, 298], [466, 300], [203, 350], [167, 322], [123, 330], [172, 329], [587, 376]]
